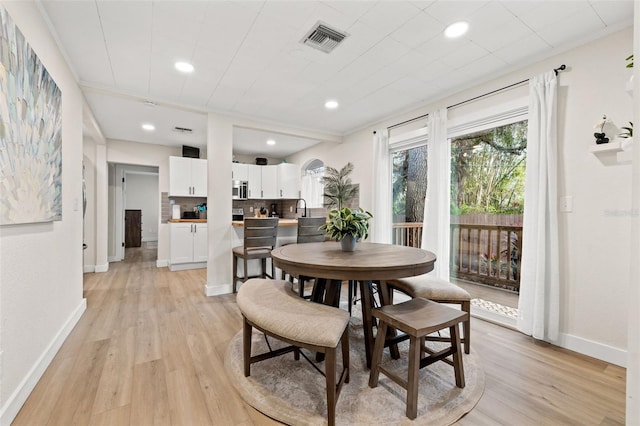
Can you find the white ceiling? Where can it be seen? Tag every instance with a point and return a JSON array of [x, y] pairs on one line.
[[249, 60]]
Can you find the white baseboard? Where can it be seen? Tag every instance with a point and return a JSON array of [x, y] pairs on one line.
[[162, 263], [216, 290], [593, 349], [87, 269], [113, 259], [186, 266], [9, 411], [146, 239], [101, 268]]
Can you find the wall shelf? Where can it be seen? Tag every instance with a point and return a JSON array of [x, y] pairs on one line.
[[611, 153], [606, 148]]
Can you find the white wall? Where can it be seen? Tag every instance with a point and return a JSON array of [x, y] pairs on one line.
[[142, 194], [41, 264], [133, 153], [594, 237]]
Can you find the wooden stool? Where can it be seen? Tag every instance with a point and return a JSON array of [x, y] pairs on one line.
[[417, 318], [440, 291]]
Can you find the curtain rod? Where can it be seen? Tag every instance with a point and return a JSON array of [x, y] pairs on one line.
[[555, 70], [407, 121]]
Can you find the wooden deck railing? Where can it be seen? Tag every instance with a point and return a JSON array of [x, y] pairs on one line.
[[407, 234], [489, 254]]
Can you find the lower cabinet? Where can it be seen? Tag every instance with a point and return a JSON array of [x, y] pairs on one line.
[[188, 246]]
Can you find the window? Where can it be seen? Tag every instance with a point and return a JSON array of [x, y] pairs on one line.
[[311, 187], [409, 187], [487, 202]]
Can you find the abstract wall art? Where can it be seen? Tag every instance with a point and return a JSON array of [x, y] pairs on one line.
[[30, 133]]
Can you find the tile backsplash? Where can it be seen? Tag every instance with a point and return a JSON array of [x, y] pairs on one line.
[[286, 208]]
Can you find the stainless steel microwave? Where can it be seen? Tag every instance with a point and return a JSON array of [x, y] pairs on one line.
[[239, 189]]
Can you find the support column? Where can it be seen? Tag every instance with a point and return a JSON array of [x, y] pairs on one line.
[[219, 204]]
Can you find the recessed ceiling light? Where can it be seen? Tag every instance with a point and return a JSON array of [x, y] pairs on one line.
[[456, 29], [271, 142], [148, 127], [331, 104], [184, 67]]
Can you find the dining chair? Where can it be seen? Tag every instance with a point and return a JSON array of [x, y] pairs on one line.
[[259, 239], [308, 232]]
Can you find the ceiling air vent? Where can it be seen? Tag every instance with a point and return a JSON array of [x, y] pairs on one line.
[[323, 38], [182, 130]]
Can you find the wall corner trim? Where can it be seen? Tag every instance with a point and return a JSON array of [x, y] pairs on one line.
[[217, 289], [89, 269], [101, 268], [20, 395]]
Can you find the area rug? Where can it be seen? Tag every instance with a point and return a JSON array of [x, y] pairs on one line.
[[293, 393]]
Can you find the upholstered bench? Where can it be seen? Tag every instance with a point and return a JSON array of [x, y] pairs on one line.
[[440, 291], [272, 307]]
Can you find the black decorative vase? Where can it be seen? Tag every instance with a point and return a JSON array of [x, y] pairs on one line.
[[601, 138]]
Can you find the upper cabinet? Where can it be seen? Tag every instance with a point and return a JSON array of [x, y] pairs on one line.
[[239, 171], [288, 180], [263, 182], [273, 182], [187, 177]]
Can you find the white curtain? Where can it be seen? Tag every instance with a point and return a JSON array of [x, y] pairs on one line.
[[311, 189], [539, 281], [435, 234], [382, 208]]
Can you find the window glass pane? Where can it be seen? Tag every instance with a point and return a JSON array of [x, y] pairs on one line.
[[409, 181], [487, 202]]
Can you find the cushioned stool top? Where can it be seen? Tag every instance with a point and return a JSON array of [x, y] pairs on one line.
[[273, 306], [430, 288]]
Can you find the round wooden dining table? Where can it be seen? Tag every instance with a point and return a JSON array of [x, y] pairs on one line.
[[369, 263]]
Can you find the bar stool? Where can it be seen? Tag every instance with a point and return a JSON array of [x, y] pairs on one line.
[[308, 232], [417, 318], [259, 239]]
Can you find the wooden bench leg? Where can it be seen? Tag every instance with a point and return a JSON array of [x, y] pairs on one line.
[[235, 272], [330, 373], [344, 343], [466, 327], [457, 356], [414, 375], [246, 346]]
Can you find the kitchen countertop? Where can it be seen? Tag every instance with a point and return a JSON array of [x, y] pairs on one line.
[[187, 220], [281, 222]]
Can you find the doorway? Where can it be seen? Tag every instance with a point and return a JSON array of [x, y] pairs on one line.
[[134, 212]]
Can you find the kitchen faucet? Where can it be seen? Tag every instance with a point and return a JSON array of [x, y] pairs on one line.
[[304, 214]]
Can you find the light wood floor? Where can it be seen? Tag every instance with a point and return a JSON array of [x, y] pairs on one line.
[[150, 350]]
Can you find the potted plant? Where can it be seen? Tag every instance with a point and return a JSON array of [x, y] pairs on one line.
[[627, 135], [338, 189], [347, 226]]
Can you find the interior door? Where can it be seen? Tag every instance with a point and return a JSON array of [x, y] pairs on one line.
[[133, 228]]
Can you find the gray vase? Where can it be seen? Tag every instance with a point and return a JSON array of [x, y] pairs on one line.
[[348, 243]]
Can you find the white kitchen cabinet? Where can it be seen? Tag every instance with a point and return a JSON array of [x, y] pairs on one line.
[[269, 182], [188, 246], [288, 181], [187, 177], [254, 174], [263, 182], [239, 171]]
